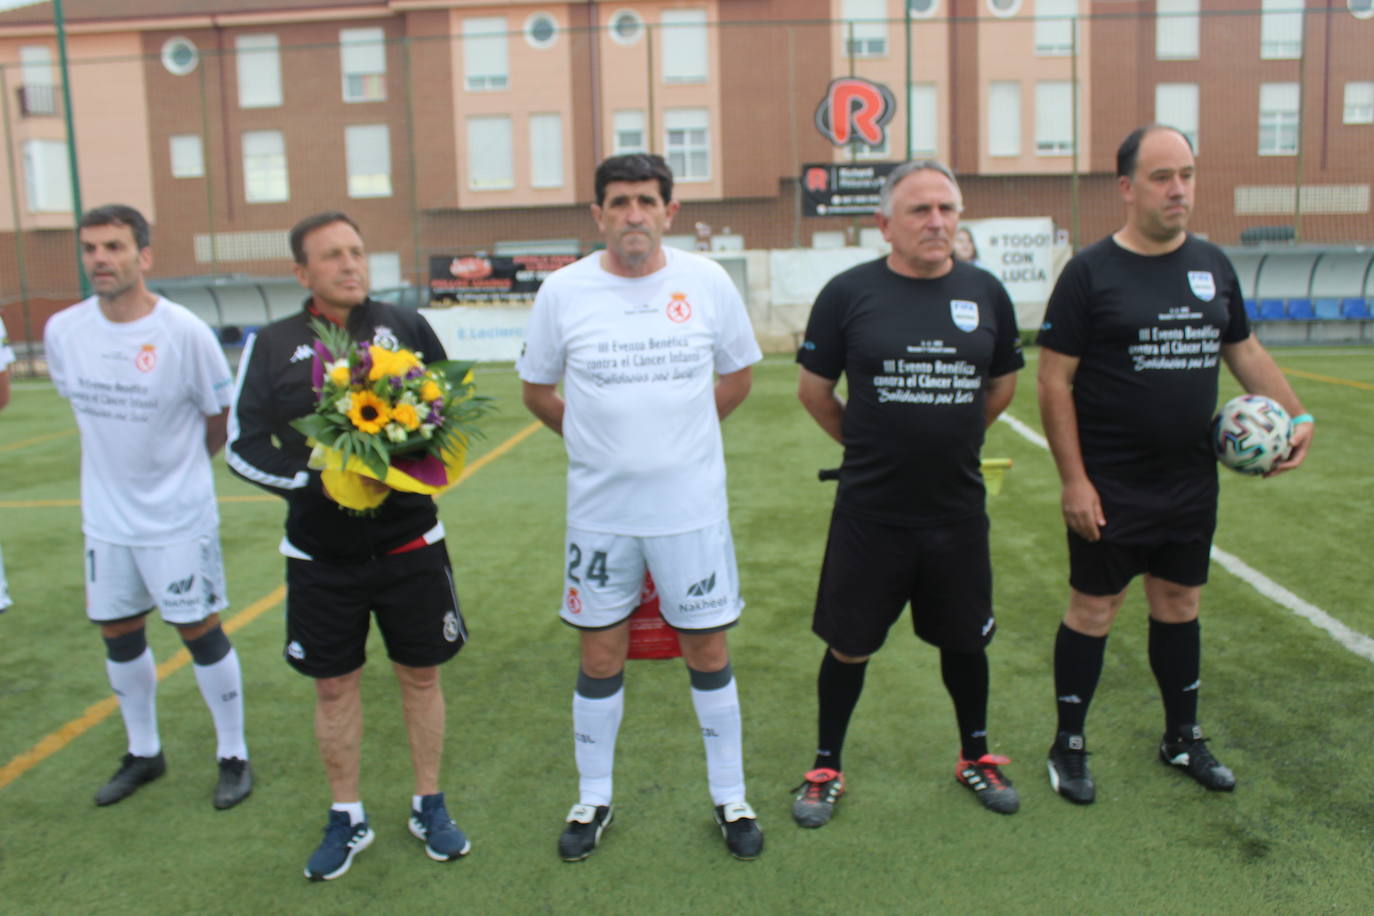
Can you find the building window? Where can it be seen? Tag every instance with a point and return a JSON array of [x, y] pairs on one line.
[[1004, 8], [383, 270], [484, 54], [490, 153], [922, 9], [38, 89], [865, 28], [180, 56], [546, 151], [628, 130], [1280, 29], [188, 157], [47, 181], [1054, 27], [684, 46], [1359, 103], [687, 143], [259, 70], [1004, 118], [541, 30], [367, 149], [264, 167], [1176, 30], [1360, 9], [1278, 119], [924, 115], [362, 56], [1054, 118], [1176, 104], [626, 27]]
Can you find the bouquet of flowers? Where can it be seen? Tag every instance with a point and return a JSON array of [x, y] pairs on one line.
[[384, 415]]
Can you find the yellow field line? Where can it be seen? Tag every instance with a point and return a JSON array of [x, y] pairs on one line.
[[1329, 379], [25, 443], [98, 712]]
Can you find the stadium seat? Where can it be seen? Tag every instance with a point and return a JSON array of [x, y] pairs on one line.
[[1354, 309], [1327, 309], [1272, 310], [1301, 310], [1251, 309]]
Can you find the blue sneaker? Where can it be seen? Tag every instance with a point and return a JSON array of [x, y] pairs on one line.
[[342, 841], [444, 841]]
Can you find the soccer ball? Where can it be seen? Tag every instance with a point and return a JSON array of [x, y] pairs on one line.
[[1250, 434]]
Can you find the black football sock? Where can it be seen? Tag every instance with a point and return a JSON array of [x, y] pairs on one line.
[[837, 689], [1077, 669], [966, 678], [1176, 660]]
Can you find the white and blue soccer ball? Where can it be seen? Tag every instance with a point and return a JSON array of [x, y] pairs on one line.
[[1250, 434]]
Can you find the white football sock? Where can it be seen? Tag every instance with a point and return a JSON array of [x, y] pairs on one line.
[[221, 684], [135, 684], [355, 811], [595, 726], [718, 714]]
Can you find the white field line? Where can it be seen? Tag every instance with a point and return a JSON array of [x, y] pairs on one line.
[[1355, 641]]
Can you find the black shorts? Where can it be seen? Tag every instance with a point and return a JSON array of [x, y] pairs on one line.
[[1104, 568], [872, 570], [329, 608]]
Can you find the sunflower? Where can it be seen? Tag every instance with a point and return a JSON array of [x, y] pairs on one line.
[[405, 415], [368, 412]]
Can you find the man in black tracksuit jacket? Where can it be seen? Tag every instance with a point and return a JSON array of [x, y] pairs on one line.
[[342, 567]]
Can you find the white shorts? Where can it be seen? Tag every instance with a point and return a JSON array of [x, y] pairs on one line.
[[185, 581], [694, 572]]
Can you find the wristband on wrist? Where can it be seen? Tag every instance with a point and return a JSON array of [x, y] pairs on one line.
[[1303, 418]]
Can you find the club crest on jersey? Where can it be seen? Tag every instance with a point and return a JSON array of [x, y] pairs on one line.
[[679, 309], [146, 360], [384, 338], [451, 626], [964, 313], [1202, 284], [573, 601]]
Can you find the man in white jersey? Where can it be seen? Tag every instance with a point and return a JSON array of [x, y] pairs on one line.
[[150, 387], [653, 346], [6, 360]]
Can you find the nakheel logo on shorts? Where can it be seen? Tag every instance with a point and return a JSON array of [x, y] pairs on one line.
[[146, 360], [573, 602], [182, 586], [295, 650], [701, 590], [704, 587], [451, 626]]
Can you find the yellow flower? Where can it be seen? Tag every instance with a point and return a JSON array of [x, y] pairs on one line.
[[405, 415], [368, 412], [391, 362], [430, 390], [338, 373]]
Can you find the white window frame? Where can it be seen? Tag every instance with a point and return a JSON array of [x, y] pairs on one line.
[[38, 83], [362, 64], [491, 153], [927, 12], [1358, 106], [1054, 33], [486, 56], [367, 159], [1004, 118], [384, 264], [686, 47], [1179, 105], [869, 30], [47, 177], [546, 150], [687, 137], [532, 21], [258, 58], [266, 177], [629, 121], [629, 16], [1281, 23], [1365, 12], [923, 119], [1177, 30], [186, 155], [1054, 118], [1009, 9], [1278, 117]]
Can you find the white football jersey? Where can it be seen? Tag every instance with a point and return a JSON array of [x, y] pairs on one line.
[[637, 357], [141, 391], [6, 351]]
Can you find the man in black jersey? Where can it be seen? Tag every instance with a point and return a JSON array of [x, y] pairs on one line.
[[930, 351], [1129, 359]]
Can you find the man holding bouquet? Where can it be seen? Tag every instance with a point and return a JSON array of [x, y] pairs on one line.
[[343, 566]]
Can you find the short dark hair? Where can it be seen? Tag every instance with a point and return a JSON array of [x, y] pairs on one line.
[[1129, 150], [634, 167], [310, 224], [119, 215]]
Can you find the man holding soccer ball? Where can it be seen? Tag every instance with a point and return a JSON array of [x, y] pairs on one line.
[[1130, 351]]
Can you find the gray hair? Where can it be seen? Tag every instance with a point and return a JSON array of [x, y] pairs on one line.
[[905, 169]]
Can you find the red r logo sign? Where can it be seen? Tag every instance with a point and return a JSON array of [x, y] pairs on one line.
[[855, 110]]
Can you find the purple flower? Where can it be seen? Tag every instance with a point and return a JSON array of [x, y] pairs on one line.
[[322, 356], [436, 412], [415, 372]]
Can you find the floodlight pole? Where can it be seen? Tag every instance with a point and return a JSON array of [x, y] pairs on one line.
[[73, 173]]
